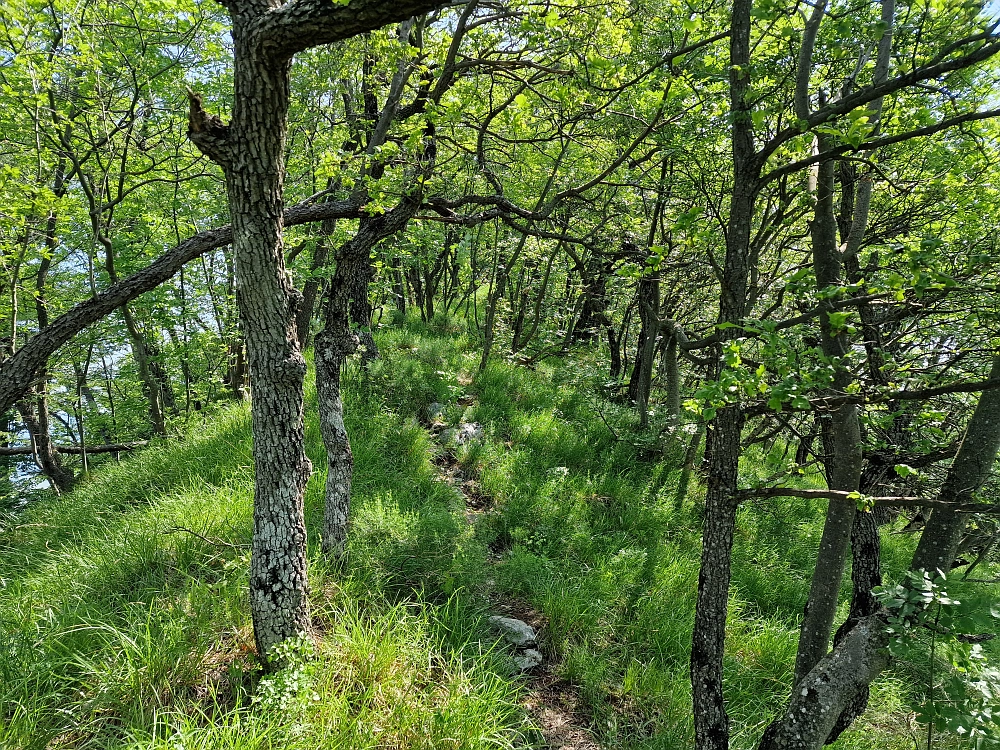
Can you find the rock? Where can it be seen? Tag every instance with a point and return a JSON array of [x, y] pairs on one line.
[[469, 432], [517, 632], [528, 659], [464, 433], [435, 411]]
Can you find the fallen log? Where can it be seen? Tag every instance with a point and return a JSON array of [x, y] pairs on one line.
[[26, 450]]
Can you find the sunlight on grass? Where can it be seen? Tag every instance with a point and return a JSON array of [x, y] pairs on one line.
[[124, 612]]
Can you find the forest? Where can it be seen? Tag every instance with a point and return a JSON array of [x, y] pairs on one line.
[[499, 374]]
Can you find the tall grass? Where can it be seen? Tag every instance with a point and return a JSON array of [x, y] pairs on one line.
[[124, 619]]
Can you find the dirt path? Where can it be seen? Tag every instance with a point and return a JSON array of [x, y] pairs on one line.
[[553, 703]]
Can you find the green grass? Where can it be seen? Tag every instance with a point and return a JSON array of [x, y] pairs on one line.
[[590, 533], [122, 629]]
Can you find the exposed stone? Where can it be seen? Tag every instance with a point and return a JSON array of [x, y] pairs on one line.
[[517, 632], [528, 659], [469, 432], [464, 433]]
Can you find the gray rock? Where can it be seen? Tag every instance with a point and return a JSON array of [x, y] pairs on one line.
[[517, 632], [464, 433], [469, 432], [527, 659]]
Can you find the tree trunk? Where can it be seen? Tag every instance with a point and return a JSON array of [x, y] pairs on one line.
[[822, 695], [687, 469], [672, 375], [330, 350], [36, 421], [842, 439], [969, 471], [822, 700], [268, 303], [711, 722], [310, 292]]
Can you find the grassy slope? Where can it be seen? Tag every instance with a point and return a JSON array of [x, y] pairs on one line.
[[125, 631]]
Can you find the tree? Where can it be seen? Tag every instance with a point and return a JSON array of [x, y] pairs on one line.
[[250, 151], [750, 157]]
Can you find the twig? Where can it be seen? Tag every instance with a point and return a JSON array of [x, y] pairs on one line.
[[917, 502], [217, 542]]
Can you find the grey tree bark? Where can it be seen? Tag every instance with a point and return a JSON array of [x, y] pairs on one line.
[[711, 722], [842, 439], [251, 152], [968, 472]]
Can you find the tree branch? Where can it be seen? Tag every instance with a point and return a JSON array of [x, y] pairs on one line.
[[301, 24], [934, 69], [903, 501], [833, 153], [26, 450], [18, 371]]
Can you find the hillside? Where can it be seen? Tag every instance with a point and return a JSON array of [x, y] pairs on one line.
[[125, 620]]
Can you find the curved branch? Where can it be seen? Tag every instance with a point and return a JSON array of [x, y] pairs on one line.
[[18, 371], [301, 24]]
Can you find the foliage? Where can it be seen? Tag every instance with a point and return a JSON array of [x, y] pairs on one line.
[[962, 689]]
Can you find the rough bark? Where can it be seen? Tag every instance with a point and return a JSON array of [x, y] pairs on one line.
[[251, 152], [594, 315], [711, 721], [330, 350], [822, 702], [844, 458], [968, 472], [822, 695], [254, 168], [338, 340], [75, 449]]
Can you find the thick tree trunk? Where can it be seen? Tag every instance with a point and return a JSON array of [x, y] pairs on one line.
[[614, 348], [711, 610], [268, 303], [594, 277], [822, 696], [642, 376], [711, 722]]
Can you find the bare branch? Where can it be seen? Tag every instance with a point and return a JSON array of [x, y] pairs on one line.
[[18, 371], [902, 501]]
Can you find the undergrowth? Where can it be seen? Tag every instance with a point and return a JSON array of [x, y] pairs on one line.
[[124, 617]]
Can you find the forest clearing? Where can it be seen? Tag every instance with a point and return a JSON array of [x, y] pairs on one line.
[[499, 374]]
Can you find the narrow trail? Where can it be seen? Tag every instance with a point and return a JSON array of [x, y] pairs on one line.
[[553, 702]]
